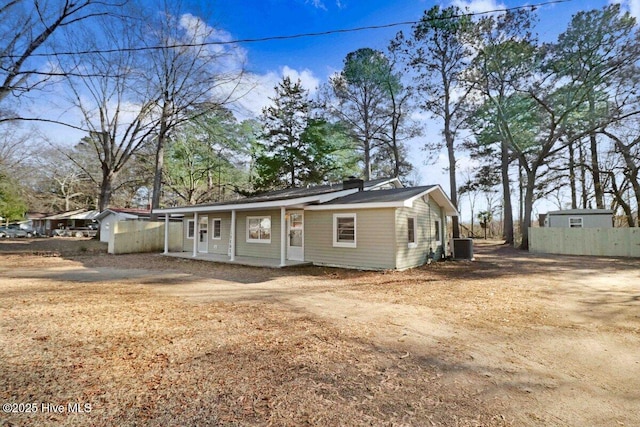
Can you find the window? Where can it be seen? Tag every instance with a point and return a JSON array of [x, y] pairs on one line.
[[191, 228], [437, 234], [216, 225], [575, 222], [344, 230], [411, 233], [259, 229]]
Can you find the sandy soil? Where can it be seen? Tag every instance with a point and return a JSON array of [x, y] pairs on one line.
[[509, 339]]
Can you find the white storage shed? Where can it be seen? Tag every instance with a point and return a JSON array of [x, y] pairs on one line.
[[580, 218]]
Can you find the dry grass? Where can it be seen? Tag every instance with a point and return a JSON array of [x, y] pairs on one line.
[[143, 357]]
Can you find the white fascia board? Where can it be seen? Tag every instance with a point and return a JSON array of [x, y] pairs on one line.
[[272, 204], [441, 198], [437, 194], [373, 205]]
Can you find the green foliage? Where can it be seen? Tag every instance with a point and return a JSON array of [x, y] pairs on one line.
[[12, 206], [204, 159], [298, 149]]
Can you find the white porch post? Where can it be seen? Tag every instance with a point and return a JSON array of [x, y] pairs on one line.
[[232, 237], [166, 233], [195, 234], [283, 237]]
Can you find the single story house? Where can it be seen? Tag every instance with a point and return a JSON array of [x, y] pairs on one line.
[[580, 218], [110, 216], [364, 225], [79, 218]]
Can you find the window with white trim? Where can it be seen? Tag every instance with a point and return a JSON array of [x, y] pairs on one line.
[[411, 233], [259, 229], [437, 234], [216, 226], [344, 230], [575, 222], [191, 228]]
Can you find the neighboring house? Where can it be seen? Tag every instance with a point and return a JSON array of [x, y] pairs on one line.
[[35, 221], [108, 217], [79, 218], [580, 218], [365, 225]]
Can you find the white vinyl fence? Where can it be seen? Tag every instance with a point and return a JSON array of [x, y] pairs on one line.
[[143, 236], [617, 242]]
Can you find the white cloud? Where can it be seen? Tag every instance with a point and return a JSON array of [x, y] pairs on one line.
[[317, 3], [320, 4], [478, 6], [258, 88], [196, 31], [306, 77], [633, 6]]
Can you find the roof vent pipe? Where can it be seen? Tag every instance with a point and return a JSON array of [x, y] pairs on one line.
[[353, 182]]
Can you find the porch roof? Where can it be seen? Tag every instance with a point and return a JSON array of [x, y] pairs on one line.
[[290, 197]]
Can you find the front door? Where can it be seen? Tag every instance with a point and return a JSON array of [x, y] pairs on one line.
[[295, 233], [203, 232]]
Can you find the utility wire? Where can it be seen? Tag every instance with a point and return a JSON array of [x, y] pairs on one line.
[[292, 36]]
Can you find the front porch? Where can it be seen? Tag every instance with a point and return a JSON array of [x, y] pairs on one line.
[[239, 260]]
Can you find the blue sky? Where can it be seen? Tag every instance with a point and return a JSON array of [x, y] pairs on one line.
[[314, 59], [324, 54]]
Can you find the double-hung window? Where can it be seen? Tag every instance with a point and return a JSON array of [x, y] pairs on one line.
[[217, 228], [191, 228], [259, 229], [411, 233], [344, 230]]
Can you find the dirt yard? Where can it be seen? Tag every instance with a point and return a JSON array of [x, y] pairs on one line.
[[510, 339]]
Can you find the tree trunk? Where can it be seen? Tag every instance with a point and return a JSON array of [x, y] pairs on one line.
[[105, 188], [455, 226], [595, 172], [583, 177], [528, 208], [157, 177], [595, 164], [507, 232], [572, 177], [367, 160]]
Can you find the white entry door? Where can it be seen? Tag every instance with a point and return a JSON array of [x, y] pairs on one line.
[[203, 232], [295, 233]]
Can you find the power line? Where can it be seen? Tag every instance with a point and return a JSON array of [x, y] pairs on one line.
[[291, 36]]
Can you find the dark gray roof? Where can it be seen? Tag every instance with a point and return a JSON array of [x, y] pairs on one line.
[[293, 193], [582, 212], [381, 196]]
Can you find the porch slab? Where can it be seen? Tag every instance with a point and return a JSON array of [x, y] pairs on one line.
[[239, 260]]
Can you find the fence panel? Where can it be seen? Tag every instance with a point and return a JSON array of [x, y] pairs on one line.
[[143, 236], [620, 242]]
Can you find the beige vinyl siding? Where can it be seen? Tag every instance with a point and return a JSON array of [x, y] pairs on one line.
[[220, 246], [261, 250], [426, 216], [187, 244], [215, 246], [375, 239]]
